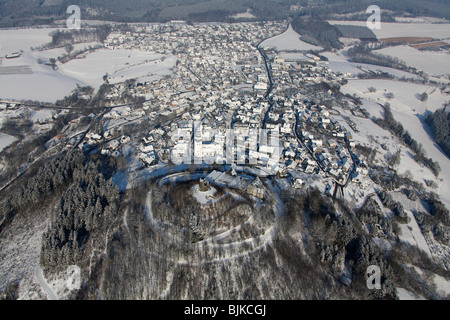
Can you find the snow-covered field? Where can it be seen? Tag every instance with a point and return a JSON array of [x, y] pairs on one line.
[[44, 84], [42, 115], [435, 63], [289, 41], [119, 65], [248, 15], [203, 197], [47, 85], [409, 110], [13, 40], [6, 140], [361, 68]]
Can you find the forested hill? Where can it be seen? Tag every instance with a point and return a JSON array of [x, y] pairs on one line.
[[439, 122], [30, 12]]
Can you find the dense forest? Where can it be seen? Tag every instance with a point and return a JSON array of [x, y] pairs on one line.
[[439, 123], [317, 32], [331, 8], [29, 12], [84, 213]]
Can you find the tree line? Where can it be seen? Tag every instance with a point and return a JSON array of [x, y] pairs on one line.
[[317, 32], [335, 239], [85, 212], [439, 122], [397, 129], [48, 181]]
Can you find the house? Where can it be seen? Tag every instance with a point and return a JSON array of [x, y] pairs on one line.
[[260, 86], [146, 148], [332, 143], [149, 139], [148, 158]]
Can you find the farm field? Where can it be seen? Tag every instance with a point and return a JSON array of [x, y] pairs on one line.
[[417, 35], [405, 39], [395, 29], [119, 65], [338, 62], [24, 78]]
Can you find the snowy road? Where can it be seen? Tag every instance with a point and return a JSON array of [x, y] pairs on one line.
[[44, 285]]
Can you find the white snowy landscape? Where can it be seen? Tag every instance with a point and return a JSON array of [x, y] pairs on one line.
[[301, 222], [48, 85]]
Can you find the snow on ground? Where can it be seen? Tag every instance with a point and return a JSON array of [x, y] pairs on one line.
[[339, 63], [420, 20], [362, 68], [374, 109], [293, 56], [120, 65], [404, 294], [248, 15], [203, 197], [39, 277], [344, 67], [289, 41], [409, 110], [395, 29], [43, 84], [411, 233], [368, 130], [120, 179], [405, 94], [19, 252], [48, 85], [14, 40], [6, 140], [42, 115], [442, 285], [435, 63], [59, 52]]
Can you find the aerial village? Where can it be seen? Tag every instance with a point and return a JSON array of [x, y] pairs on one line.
[[226, 103]]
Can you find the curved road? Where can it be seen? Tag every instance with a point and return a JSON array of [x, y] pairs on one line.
[[44, 285]]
